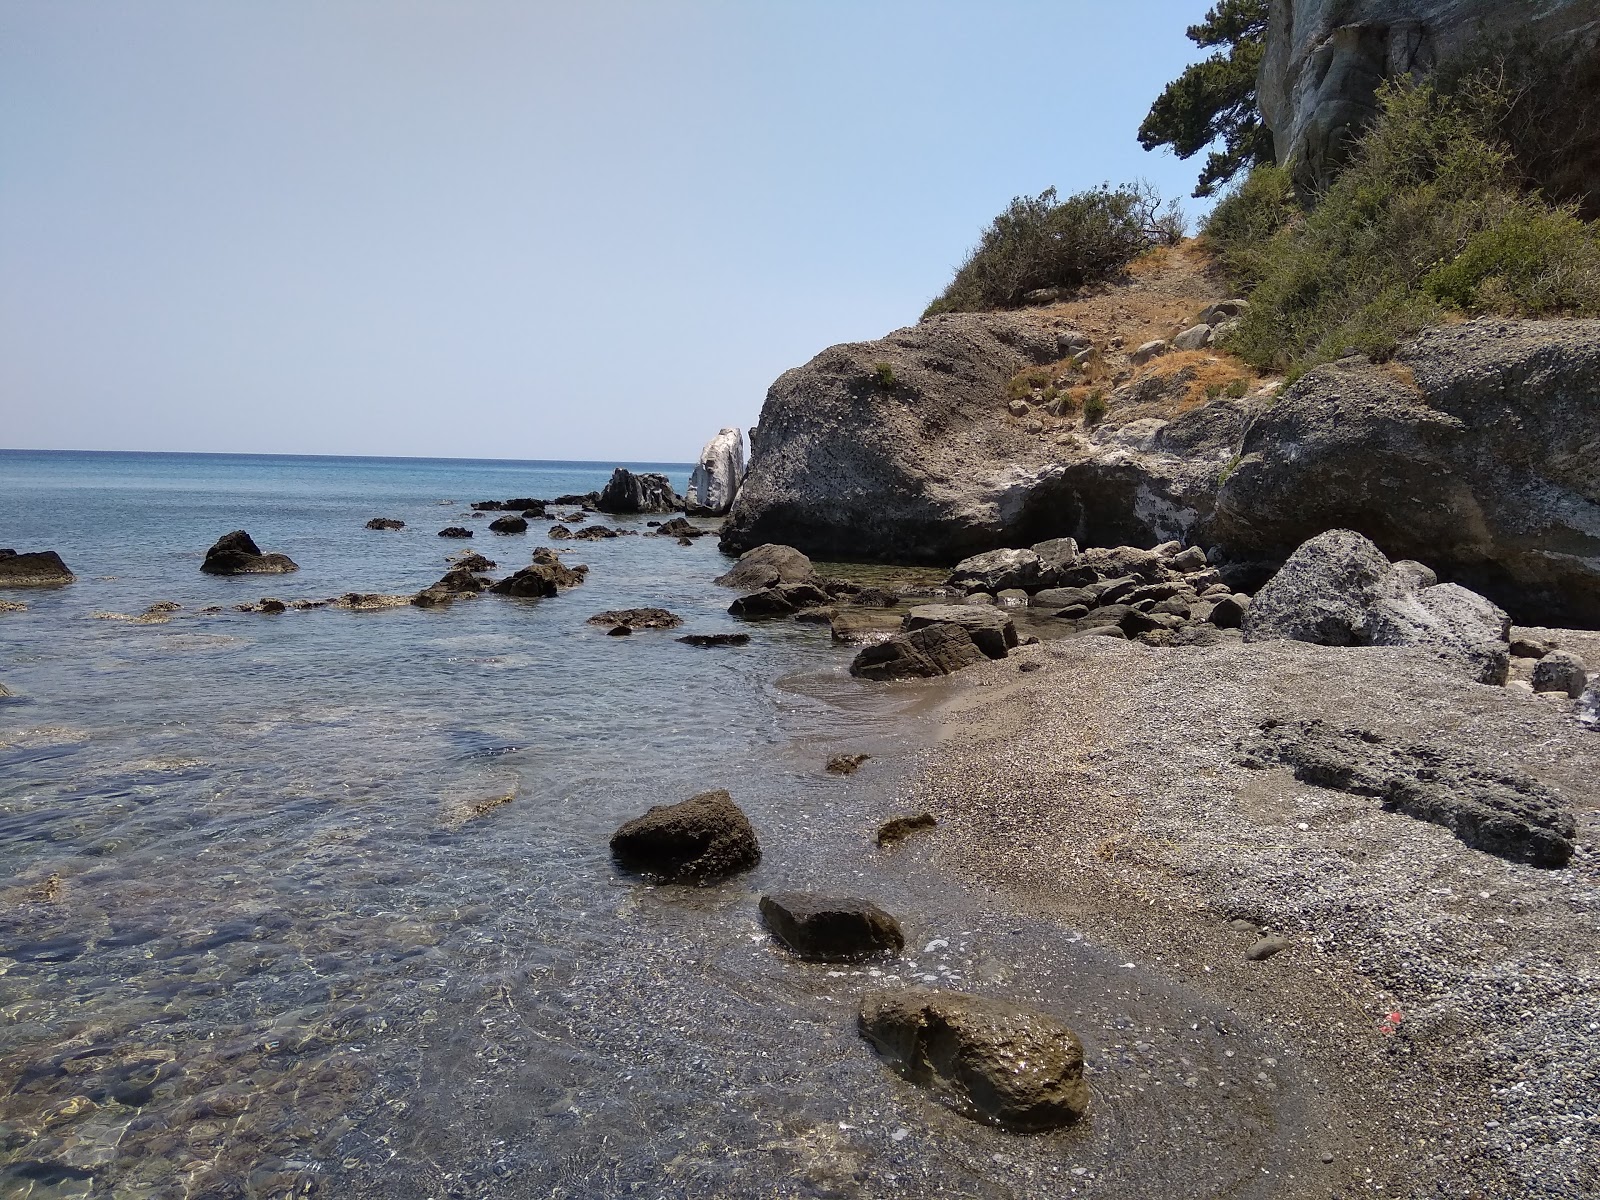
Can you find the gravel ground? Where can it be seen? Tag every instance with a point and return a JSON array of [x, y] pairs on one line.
[[1450, 998]]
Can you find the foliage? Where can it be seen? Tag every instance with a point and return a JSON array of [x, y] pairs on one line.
[[1027, 381], [883, 376], [1039, 242], [1094, 407], [1244, 221], [1215, 100], [1428, 215]]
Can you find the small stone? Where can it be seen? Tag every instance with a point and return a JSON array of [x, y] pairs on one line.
[[1265, 948], [1561, 671], [892, 833], [846, 764]]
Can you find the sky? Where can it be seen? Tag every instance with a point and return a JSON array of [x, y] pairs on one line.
[[594, 229]]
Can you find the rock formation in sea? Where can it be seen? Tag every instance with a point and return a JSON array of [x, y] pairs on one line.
[[717, 475], [40, 568], [626, 492], [1325, 59], [237, 554]]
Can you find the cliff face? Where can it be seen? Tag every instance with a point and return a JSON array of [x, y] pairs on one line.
[[1325, 58]]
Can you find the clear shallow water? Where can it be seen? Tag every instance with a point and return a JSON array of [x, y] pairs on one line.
[[257, 941]]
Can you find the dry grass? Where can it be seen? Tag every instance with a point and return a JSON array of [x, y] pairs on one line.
[[1204, 375]]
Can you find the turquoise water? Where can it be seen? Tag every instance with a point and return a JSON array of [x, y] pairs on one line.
[[264, 931]]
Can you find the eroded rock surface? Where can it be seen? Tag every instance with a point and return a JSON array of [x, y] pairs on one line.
[[767, 566], [923, 653], [717, 475], [626, 492], [995, 1062]]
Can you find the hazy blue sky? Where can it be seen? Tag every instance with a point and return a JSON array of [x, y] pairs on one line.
[[591, 229]]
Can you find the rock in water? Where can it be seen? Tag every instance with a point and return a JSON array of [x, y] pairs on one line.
[[455, 531], [830, 928], [715, 639], [780, 601], [893, 832], [385, 523], [236, 554], [638, 618], [995, 1062], [626, 492], [923, 653], [545, 576], [1339, 590], [1503, 811], [42, 568], [990, 629], [700, 840], [767, 566], [846, 764], [717, 476], [679, 528], [509, 524]]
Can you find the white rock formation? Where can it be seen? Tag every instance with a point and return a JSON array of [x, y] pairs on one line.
[[716, 479]]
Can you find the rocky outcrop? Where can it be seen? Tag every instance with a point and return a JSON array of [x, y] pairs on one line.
[[923, 653], [830, 928], [1490, 807], [237, 554], [995, 1062], [700, 840], [626, 492], [1325, 59], [784, 600], [638, 618], [1339, 590], [991, 630], [545, 576], [40, 568], [716, 477]]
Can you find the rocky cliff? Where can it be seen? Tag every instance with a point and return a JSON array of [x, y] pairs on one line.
[[1325, 58]]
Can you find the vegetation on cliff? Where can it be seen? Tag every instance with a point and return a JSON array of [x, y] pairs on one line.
[[1040, 242]]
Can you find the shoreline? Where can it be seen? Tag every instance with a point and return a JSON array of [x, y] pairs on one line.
[[1442, 996]]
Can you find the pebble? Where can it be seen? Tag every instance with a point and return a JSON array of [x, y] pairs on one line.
[[1266, 948]]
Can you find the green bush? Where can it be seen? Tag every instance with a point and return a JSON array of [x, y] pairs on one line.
[[1244, 221], [1427, 216], [883, 376], [1039, 242], [1094, 408]]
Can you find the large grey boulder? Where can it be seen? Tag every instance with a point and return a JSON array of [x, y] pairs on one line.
[[1561, 671], [767, 566], [717, 475], [998, 570], [1325, 59], [1009, 1066], [626, 492], [1477, 455], [41, 568], [1340, 590]]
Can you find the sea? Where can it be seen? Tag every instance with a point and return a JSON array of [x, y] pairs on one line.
[[319, 903]]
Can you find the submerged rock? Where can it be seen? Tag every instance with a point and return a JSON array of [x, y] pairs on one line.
[[1502, 811], [700, 840], [626, 492], [766, 566], [830, 928], [995, 1062], [846, 764], [638, 618], [715, 639], [237, 554], [41, 568]]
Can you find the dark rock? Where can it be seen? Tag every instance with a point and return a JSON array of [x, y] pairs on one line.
[[924, 653], [559, 533], [545, 576], [1339, 590], [716, 639], [1497, 809], [846, 764], [588, 499], [626, 492], [619, 631], [892, 833], [873, 597], [1228, 611], [1106, 614], [830, 928], [1059, 598], [42, 568], [1055, 556], [699, 840], [781, 601], [680, 528], [236, 554], [272, 606], [995, 1062], [385, 523], [509, 524], [766, 566], [638, 618], [1561, 671], [991, 630], [814, 616], [475, 562], [455, 531]]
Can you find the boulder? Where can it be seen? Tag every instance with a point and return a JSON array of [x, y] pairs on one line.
[[455, 531], [997, 570], [626, 492], [40, 568], [596, 533], [385, 523], [1196, 337], [1340, 590], [700, 840], [509, 524], [638, 618], [715, 639], [1059, 598], [472, 561], [830, 928], [545, 576], [857, 626], [558, 533], [766, 566], [236, 554], [990, 629], [1561, 671], [922, 653], [999, 1063], [1488, 806], [1055, 556], [1589, 704], [716, 477], [680, 528]]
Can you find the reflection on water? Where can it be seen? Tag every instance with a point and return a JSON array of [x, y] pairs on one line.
[[320, 903]]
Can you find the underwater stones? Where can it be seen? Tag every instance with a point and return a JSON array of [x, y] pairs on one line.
[[846, 764], [637, 618], [999, 1063], [237, 554], [830, 928], [699, 840], [42, 568]]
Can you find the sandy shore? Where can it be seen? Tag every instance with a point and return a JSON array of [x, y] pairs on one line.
[[1447, 999]]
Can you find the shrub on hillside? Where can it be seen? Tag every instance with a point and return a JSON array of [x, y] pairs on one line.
[[1039, 242], [1428, 215], [1244, 221]]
